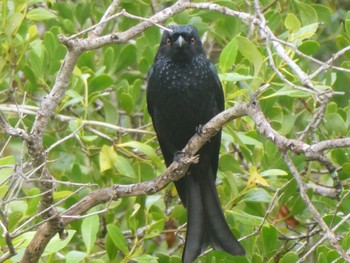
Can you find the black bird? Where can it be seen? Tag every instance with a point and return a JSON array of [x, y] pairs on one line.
[[183, 93]]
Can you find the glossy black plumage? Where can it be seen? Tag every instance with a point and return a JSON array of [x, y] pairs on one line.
[[184, 92]]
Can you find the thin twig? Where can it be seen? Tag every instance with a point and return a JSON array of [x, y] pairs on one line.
[[302, 189]]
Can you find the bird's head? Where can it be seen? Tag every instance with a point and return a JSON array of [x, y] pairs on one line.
[[181, 43]]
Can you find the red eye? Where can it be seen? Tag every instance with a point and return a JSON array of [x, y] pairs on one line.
[[168, 41], [193, 41]]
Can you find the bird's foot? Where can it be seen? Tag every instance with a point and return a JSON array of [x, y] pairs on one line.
[[178, 156], [199, 130]]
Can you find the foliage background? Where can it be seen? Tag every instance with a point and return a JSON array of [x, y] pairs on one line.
[[108, 86]]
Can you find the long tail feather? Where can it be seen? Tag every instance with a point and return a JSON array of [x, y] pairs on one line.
[[206, 223]]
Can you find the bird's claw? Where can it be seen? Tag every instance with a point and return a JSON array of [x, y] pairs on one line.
[[199, 130], [178, 156]]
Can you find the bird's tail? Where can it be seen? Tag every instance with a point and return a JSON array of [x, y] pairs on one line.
[[206, 224]]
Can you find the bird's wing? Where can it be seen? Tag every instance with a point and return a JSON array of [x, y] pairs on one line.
[[219, 93]]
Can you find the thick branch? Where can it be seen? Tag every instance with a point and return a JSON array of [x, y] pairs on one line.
[[174, 172]]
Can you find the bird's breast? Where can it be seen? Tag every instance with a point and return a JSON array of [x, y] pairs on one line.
[[184, 88]]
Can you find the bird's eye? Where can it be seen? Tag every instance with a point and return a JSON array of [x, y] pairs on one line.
[[168, 41], [193, 41]]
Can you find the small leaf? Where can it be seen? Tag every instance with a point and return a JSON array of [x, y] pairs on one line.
[[255, 178], [251, 52], [335, 124], [292, 23], [56, 244], [3, 190], [247, 140], [268, 234], [18, 206], [126, 102], [307, 13], [257, 195], [155, 228], [124, 167], [118, 238], [13, 22], [234, 77], [126, 57], [89, 229], [228, 55], [107, 157], [347, 26], [245, 218], [8, 160], [145, 149], [273, 172], [75, 256], [309, 47], [288, 91], [61, 194], [306, 31], [39, 14], [151, 200], [324, 13], [89, 138], [100, 82], [145, 259]]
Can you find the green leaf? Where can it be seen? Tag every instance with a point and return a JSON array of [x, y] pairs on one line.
[[145, 259], [3, 190], [347, 23], [145, 149], [126, 57], [56, 244], [100, 82], [155, 229], [289, 257], [18, 206], [118, 238], [335, 124], [322, 258], [108, 58], [269, 238], [24, 239], [7, 160], [124, 167], [306, 31], [89, 229], [250, 52], [151, 200], [234, 77], [292, 23], [75, 256], [247, 140], [58, 195], [13, 22], [255, 178], [228, 55], [245, 218], [288, 91], [107, 158], [39, 14], [309, 47], [307, 13], [50, 41], [257, 195], [324, 13], [126, 102], [274, 172]]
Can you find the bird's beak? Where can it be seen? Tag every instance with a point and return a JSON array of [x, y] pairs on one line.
[[179, 42]]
